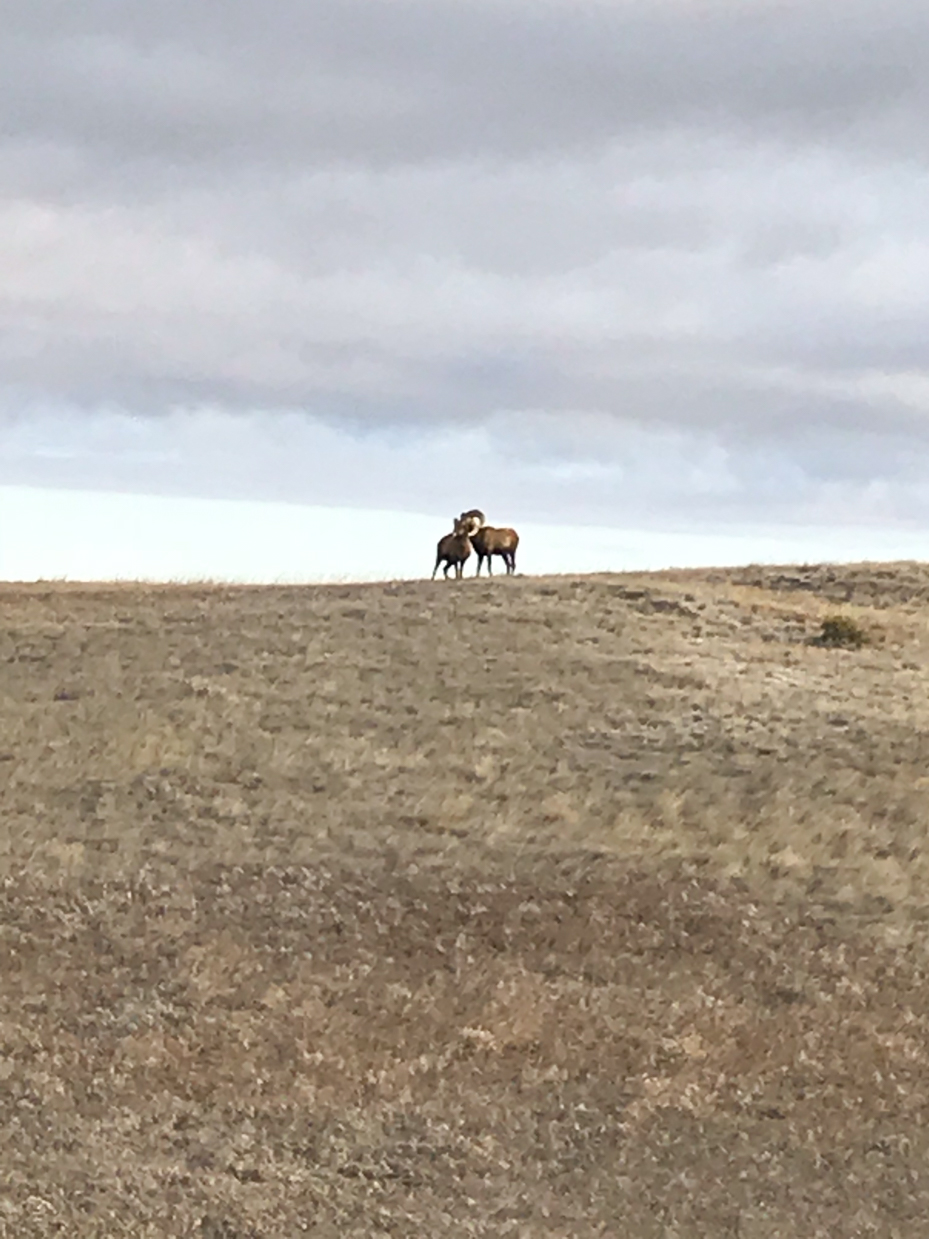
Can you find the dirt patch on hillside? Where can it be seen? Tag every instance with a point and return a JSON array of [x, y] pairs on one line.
[[531, 907]]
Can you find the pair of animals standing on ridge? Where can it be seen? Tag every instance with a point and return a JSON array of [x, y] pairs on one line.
[[472, 533]]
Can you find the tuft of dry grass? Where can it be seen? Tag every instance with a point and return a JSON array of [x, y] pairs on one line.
[[565, 906]]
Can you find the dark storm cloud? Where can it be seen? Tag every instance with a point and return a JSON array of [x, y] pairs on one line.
[[708, 220]]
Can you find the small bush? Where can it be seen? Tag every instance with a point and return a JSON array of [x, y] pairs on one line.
[[842, 631]]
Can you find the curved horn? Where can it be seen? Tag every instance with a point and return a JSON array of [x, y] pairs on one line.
[[474, 519]]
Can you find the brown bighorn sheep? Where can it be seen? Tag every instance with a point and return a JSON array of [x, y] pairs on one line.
[[488, 541], [454, 549]]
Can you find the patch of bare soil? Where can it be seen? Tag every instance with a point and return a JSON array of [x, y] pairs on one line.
[[567, 906]]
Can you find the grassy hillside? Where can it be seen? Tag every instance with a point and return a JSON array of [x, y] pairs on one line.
[[554, 906]]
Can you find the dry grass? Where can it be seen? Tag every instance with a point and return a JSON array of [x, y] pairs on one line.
[[566, 906]]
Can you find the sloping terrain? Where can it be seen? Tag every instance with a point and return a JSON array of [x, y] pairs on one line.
[[556, 906]]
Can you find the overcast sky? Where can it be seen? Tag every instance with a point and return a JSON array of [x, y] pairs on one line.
[[653, 263]]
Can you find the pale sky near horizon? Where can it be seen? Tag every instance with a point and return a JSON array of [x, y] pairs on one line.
[[656, 267], [100, 536]]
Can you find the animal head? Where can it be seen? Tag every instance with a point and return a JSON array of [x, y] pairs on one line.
[[463, 526], [473, 520]]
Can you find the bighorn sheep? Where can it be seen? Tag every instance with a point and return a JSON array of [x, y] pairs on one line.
[[454, 549], [488, 541]]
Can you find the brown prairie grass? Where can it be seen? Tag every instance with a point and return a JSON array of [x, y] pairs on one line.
[[565, 906]]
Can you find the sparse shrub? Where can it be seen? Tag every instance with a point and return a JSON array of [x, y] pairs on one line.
[[841, 631]]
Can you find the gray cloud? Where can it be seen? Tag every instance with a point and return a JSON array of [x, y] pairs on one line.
[[601, 235], [363, 79]]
